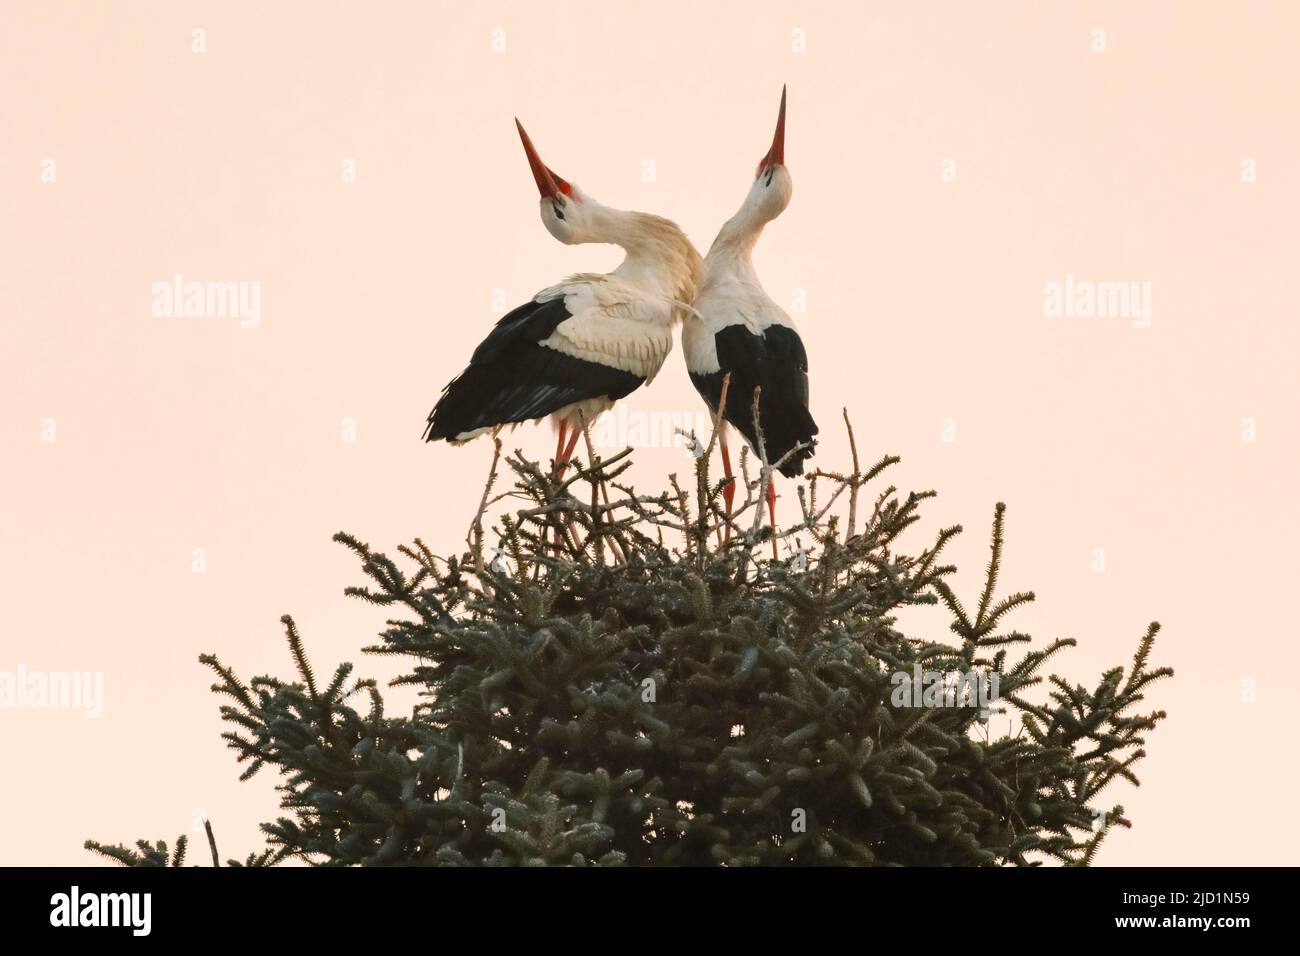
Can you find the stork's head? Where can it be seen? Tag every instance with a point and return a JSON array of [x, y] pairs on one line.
[[773, 187], [565, 210]]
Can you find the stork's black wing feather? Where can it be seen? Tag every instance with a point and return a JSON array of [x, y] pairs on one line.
[[530, 323], [512, 378], [776, 362]]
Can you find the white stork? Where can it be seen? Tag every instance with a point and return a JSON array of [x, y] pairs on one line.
[[581, 345], [737, 329]]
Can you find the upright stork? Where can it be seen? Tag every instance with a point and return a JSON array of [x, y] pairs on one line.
[[577, 347], [737, 330]]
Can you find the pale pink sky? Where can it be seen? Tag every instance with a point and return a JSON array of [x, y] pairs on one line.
[[924, 313]]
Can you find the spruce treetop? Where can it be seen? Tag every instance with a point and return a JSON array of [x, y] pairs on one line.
[[628, 678]]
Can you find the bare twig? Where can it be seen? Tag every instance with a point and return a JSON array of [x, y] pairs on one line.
[[703, 490], [717, 414], [684, 513], [595, 491], [857, 472], [474, 537], [598, 467], [765, 470]]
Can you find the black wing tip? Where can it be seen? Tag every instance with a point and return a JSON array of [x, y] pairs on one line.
[[435, 430]]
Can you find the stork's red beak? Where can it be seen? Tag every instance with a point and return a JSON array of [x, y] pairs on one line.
[[548, 184], [776, 155]]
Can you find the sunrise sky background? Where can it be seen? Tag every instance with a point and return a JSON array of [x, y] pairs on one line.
[[950, 160]]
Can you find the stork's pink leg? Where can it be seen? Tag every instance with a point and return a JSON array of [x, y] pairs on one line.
[[771, 511], [568, 450], [563, 452], [729, 489], [561, 464], [559, 447]]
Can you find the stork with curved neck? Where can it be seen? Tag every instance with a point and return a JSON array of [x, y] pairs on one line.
[[659, 256], [737, 330], [581, 345]]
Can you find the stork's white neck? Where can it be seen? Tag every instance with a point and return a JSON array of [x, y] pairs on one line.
[[738, 236], [767, 198], [659, 256]]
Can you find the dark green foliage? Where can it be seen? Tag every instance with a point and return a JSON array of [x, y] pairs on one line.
[[145, 854], [623, 687], [155, 854]]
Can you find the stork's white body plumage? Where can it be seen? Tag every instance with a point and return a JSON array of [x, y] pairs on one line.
[[579, 346], [615, 321], [612, 323]]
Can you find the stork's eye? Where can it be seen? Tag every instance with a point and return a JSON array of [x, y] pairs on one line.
[[556, 207], [770, 171]]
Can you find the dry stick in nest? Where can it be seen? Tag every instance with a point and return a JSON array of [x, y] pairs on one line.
[[474, 537], [604, 493], [564, 530], [637, 505], [765, 474], [857, 474], [683, 509], [856, 481], [565, 534], [793, 530], [812, 515], [764, 471], [702, 484], [596, 485]]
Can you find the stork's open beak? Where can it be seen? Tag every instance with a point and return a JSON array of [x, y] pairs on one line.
[[548, 184], [777, 153]]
